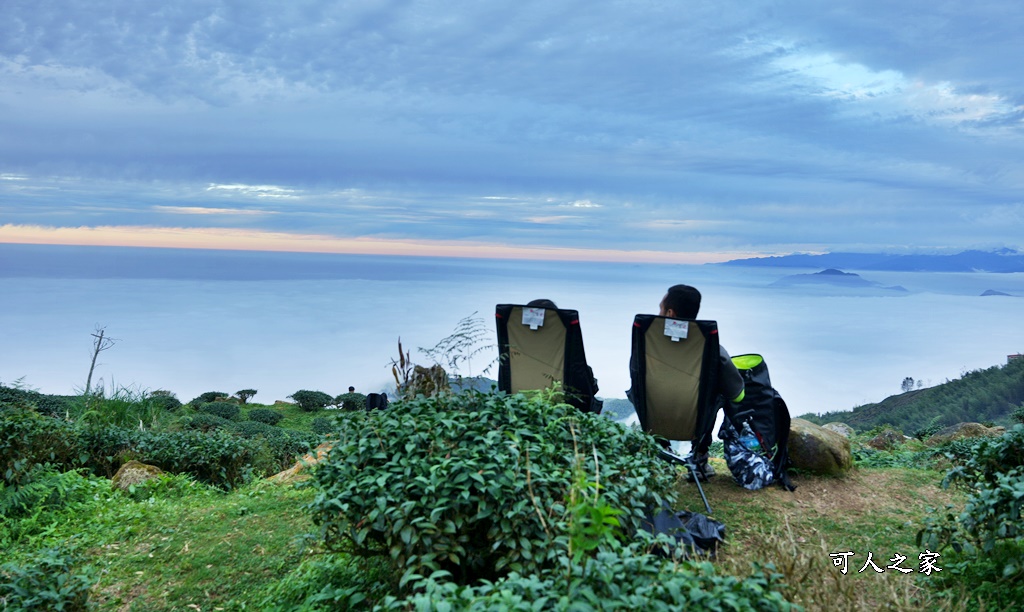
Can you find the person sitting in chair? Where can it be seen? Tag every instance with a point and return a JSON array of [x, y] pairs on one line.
[[683, 302]]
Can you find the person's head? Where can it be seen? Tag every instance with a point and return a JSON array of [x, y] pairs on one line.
[[680, 302], [542, 304], [351, 389]]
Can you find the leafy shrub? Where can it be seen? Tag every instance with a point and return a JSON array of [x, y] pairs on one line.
[[43, 486], [311, 401], [926, 432], [992, 521], [322, 426], [1018, 415], [625, 579], [209, 396], [479, 485], [351, 401], [206, 422], [28, 438], [50, 581], [224, 410], [49, 405], [165, 402], [265, 415], [218, 458], [252, 429]]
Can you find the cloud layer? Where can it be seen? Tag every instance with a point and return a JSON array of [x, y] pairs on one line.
[[658, 126]]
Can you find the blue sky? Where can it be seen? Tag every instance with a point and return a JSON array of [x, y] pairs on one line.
[[648, 131]]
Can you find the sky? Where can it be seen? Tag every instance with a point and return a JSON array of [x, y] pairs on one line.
[[664, 131]]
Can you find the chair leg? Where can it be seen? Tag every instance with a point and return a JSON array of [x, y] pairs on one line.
[[690, 465]]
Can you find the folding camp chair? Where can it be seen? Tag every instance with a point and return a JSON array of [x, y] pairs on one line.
[[541, 346], [675, 376]]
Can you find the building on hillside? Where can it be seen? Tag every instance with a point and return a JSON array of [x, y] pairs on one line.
[[1010, 358]]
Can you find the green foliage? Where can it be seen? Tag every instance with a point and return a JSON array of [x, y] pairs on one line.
[[41, 486], [351, 401], [50, 405], [28, 438], [49, 581], [991, 394], [477, 485], [265, 415], [1018, 414], [245, 395], [126, 407], [209, 396], [253, 429], [311, 401], [165, 400], [322, 425], [328, 582], [628, 578], [717, 449], [991, 522], [206, 422], [224, 410]]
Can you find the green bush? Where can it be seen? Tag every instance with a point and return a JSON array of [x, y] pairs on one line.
[[311, 401], [224, 410], [206, 422], [351, 401], [165, 402], [265, 415], [49, 581], [1018, 415], [253, 429], [625, 579], [209, 396], [49, 405], [481, 485], [988, 535], [322, 426], [28, 438]]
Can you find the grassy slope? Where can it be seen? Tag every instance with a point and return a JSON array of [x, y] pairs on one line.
[[224, 551]]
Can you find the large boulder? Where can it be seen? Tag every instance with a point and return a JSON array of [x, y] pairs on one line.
[[132, 473], [818, 450], [886, 440], [840, 428], [963, 430]]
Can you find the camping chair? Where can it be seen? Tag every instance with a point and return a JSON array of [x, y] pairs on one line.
[[541, 346], [675, 377]]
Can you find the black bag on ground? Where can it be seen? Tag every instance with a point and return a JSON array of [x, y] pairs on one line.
[[695, 533], [766, 413]]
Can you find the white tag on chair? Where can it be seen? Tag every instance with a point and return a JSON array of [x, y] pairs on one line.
[[534, 317], [676, 329]]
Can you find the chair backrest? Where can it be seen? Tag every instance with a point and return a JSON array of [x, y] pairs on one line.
[[540, 346], [675, 375]]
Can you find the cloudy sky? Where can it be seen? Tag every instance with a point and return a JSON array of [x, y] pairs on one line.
[[622, 130]]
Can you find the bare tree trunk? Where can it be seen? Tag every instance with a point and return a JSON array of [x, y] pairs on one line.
[[99, 344]]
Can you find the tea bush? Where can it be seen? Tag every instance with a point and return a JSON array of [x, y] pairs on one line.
[[987, 537], [625, 579], [209, 396], [351, 401], [322, 425], [479, 485], [206, 422], [265, 415], [50, 581], [224, 410], [28, 438], [311, 401]]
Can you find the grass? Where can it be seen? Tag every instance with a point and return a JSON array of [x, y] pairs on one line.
[[877, 510]]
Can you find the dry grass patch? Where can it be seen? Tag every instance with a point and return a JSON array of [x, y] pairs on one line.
[[877, 510]]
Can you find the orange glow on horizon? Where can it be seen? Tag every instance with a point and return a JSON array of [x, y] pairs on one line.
[[255, 240]]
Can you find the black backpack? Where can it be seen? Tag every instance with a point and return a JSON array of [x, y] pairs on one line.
[[377, 401], [767, 414]]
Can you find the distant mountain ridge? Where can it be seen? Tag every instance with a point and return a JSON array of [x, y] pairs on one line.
[[834, 278], [1002, 261], [991, 394]]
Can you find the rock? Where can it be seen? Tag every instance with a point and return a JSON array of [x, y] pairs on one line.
[[963, 430], [887, 439], [283, 403], [132, 473], [295, 472], [818, 450], [840, 428]]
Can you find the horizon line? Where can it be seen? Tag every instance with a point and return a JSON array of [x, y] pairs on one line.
[[230, 239]]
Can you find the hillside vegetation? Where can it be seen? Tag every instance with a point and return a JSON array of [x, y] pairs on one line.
[[989, 395]]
